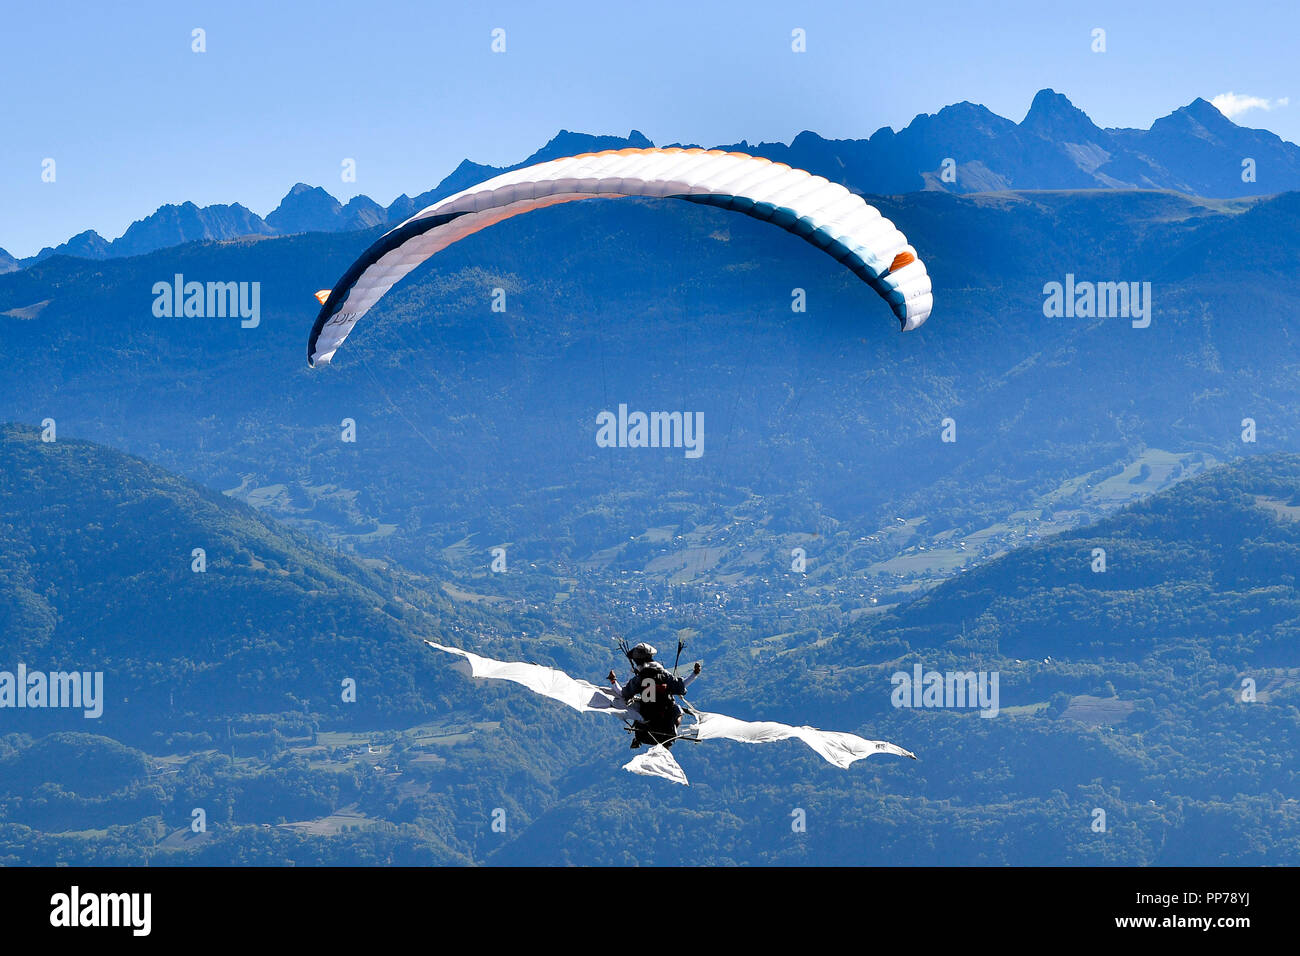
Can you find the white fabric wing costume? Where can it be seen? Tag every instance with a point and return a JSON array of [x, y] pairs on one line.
[[838, 748]]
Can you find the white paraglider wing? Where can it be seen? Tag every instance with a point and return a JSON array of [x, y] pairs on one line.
[[812, 207]]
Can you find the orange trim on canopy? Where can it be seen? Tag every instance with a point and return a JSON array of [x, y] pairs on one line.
[[902, 259]]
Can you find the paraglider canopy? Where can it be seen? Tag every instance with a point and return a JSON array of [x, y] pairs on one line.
[[812, 207]]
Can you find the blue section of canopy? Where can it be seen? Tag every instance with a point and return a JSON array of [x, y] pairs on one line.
[[805, 228]]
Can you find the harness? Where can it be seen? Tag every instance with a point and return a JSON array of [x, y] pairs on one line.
[[660, 711]]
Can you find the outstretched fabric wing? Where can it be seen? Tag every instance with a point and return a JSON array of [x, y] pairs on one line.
[[841, 749]]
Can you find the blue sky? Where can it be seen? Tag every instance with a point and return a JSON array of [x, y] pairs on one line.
[[286, 92]]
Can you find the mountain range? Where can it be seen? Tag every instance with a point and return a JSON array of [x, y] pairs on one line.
[[963, 148]]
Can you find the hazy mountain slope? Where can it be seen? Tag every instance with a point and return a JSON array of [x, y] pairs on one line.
[[1212, 560], [97, 574]]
